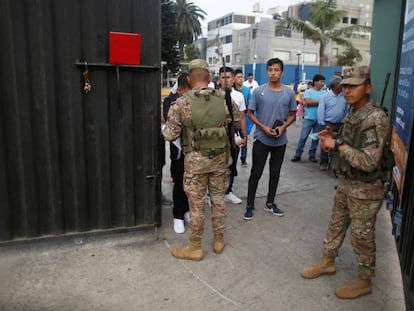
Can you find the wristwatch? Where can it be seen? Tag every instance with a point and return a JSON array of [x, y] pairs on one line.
[[339, 141]]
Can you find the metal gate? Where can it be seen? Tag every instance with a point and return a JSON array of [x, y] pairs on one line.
[[71, 161]]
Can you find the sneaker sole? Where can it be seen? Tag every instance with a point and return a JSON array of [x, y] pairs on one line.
[[228, 201], [271, 210], [247, 218]]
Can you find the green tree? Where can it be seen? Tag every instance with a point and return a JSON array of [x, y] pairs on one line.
[[191, 52], [349, 57], [169, 35], [322, 27], [188, 23]]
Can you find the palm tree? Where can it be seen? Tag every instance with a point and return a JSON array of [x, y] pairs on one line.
[[169, 38], [322, 28], [349, 57], [188, 23]]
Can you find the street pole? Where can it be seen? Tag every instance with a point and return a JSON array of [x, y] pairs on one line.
[[297, 72]]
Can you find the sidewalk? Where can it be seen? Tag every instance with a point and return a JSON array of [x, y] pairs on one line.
[[258, 270]]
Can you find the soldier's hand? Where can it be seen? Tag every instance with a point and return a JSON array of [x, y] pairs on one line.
[[326, 133], [327, 142]]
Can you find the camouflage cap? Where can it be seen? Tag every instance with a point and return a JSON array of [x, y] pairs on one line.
[[198, 64], [356, 75]]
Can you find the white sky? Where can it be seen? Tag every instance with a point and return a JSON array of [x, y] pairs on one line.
[[217, 8]]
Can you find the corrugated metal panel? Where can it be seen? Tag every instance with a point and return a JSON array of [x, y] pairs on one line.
[[69, 161]]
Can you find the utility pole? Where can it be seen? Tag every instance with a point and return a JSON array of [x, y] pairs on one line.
[[218, 50], [297, 73], [254, 36]]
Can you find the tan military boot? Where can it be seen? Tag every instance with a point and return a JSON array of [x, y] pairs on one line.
[[192, 251], [355, 289], [219, 243], [325, 266]]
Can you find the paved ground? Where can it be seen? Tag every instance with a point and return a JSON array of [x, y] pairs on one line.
[[258, 270]]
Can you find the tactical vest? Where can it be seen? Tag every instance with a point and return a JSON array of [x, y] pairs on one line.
[[206, 132], [351, 134]]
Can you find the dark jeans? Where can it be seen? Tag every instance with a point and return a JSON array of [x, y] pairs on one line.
[[260, 153], [233, 169], [180, 200], [243, 154], [325, 155]]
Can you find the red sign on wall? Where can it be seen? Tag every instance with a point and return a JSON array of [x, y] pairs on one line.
[[124, 48]]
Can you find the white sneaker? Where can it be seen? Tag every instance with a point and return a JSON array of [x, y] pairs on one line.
[[187, 217], [232, 198], [179, 226]]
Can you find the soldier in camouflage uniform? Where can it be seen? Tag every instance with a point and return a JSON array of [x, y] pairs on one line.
[[358, 153], [201, 117]]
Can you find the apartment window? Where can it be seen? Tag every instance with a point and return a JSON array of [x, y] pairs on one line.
[[228, 59], [210, 60], [309, 57], [354, 21], [283, 32], [283, 55], [211, 25], [228, 39], [345, 20], [250, 20], [241, 19]]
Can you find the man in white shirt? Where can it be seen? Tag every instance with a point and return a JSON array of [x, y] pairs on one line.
[[250, 83], [226, 79]]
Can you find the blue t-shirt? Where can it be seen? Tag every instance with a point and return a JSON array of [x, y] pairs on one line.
[[271, 105], [311, 112]]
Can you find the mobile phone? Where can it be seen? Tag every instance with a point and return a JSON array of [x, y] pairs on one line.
[[314, 136]]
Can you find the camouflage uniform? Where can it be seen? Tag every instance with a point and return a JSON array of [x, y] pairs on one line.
[[360, 192], [202, 172]]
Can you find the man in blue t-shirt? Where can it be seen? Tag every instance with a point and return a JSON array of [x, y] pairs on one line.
[[310, 122], [272, 109]]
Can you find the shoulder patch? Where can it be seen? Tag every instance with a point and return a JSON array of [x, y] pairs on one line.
[[369, 137]]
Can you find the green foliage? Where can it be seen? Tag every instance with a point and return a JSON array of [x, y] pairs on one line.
[[349, 57], [169, 35], [188, 23], [180, 26], [191, 52]]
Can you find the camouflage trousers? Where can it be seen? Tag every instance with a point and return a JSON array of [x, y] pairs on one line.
[[360, 214], [195, 186]]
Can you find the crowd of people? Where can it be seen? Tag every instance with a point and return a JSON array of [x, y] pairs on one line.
[[351, 129]]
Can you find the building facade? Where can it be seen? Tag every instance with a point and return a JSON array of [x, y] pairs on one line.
[[256, 37]]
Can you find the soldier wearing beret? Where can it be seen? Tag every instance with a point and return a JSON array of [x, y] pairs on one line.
[[358, 152]]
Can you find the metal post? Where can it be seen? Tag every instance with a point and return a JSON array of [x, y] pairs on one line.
[[297, 72]]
